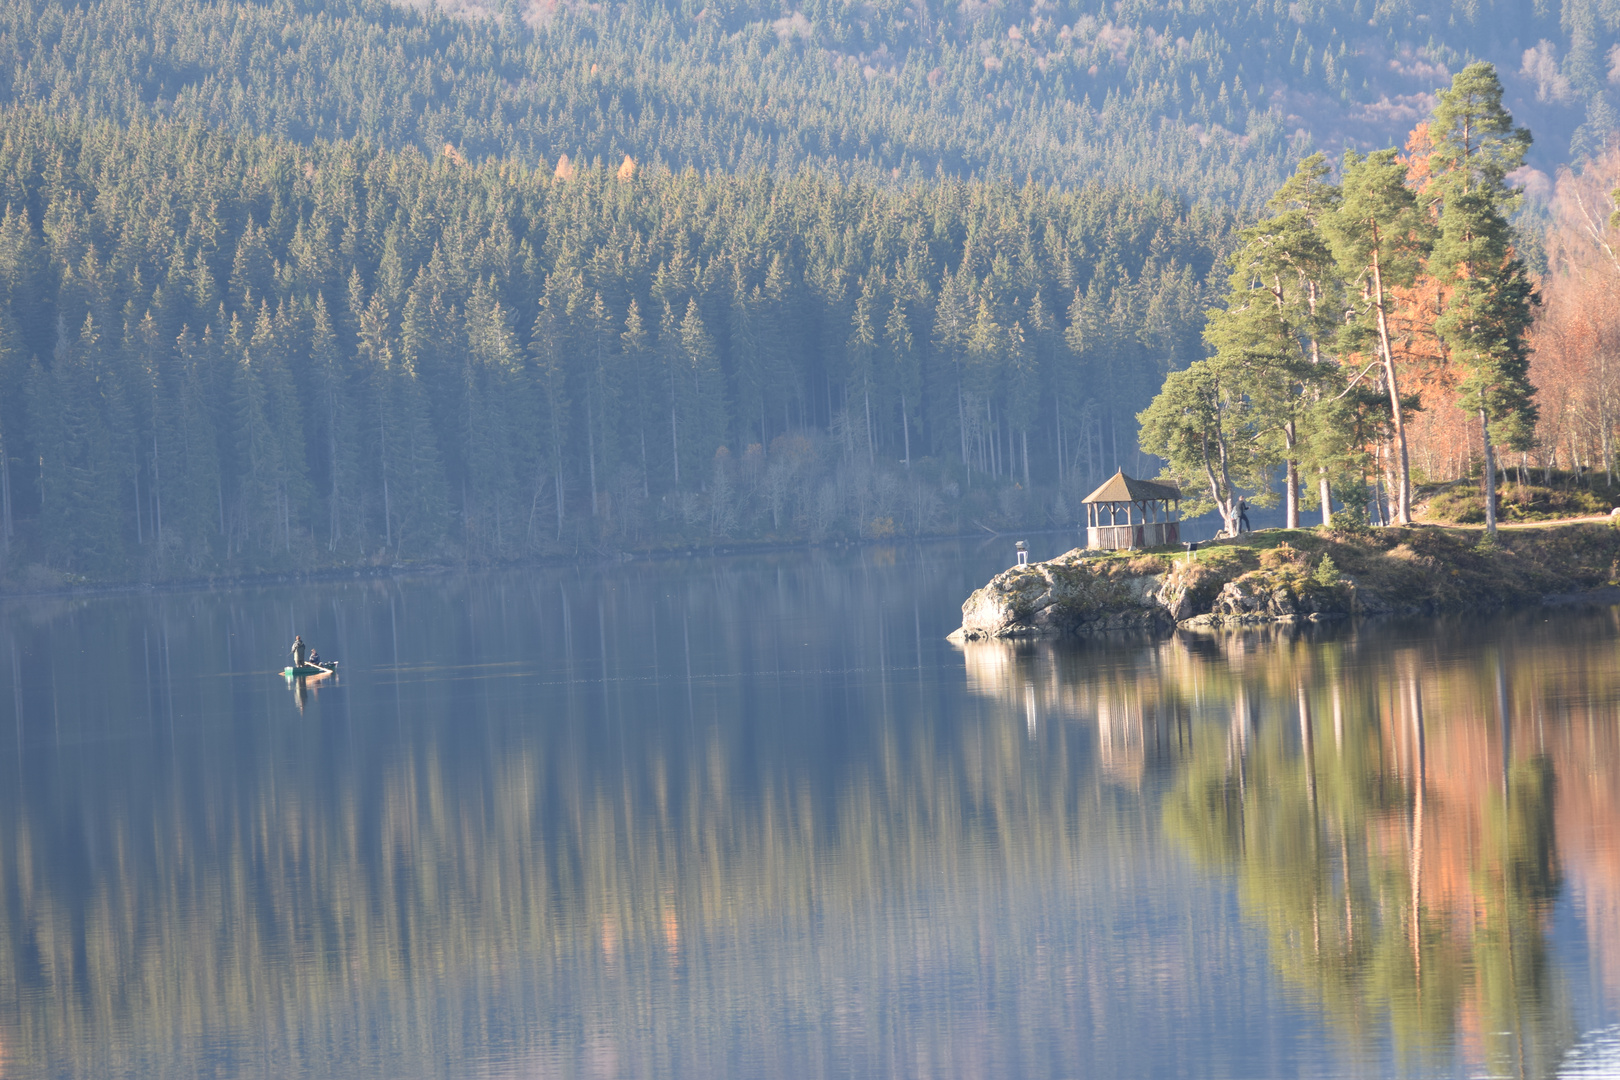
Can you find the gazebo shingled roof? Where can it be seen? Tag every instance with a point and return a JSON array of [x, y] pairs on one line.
[[1122, 488]]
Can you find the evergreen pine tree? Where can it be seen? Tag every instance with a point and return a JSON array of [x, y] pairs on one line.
[[1490, 299], [1380, 237]]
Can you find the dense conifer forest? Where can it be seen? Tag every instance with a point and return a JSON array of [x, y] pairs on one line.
[[1214, 98], [298, 283], [225, 350]]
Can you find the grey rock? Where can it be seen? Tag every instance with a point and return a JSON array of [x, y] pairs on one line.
[[1061, 596]]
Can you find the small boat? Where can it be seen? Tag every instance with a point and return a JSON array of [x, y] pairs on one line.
[[311, 670]]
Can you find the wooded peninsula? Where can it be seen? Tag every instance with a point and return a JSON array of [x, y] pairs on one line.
[[304, 337]]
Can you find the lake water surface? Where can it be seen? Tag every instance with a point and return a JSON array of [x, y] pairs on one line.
[[753, 816]]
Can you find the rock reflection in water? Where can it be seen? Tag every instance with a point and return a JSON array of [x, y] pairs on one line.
[[754, 817], [1400, 807]]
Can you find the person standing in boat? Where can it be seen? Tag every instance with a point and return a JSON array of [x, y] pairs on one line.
[[298, 652]]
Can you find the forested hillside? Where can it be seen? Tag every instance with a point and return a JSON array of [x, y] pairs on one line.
[[1214, 98], [302, 283], [234, 352]]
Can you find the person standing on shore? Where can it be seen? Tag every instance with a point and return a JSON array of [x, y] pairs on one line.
[[1243, 516]]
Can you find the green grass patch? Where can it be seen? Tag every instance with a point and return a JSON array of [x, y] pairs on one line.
[[1462, 504]]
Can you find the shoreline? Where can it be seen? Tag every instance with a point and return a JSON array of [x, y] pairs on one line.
[[432, 569], [1292, 576]]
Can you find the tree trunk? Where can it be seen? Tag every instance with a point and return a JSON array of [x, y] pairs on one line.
[[1490, 475], [1392, 480], [961, 428], [382, 442], [1057, 410], [1292, 483], [674, 437], [905, 426], [993, 440], [1403, 511], [5, 496], [675, 444], [140, 532], [590, 446], [871, 451], [334, 524], [157, 493], [1324, 489], [1221, 489]]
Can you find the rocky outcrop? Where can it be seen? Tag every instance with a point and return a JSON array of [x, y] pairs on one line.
[[1295, 576], [1255, 599], [1065, 595], [1073, 594]]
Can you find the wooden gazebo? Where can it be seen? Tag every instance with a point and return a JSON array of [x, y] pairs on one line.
[[1130, 513]]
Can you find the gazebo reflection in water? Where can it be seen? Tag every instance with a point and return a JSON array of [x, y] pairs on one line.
[[1130, 513]]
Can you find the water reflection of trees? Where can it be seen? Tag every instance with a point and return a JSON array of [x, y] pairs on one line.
[[614, 850], [1400, 807], [396, 924], [623, 851]]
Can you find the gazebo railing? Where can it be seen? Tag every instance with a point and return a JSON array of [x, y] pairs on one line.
[[1136, 535]]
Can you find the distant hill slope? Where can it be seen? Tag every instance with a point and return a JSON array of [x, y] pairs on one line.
[[1214, 98]]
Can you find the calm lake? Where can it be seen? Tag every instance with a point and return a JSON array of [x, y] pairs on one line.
[[753, 816]]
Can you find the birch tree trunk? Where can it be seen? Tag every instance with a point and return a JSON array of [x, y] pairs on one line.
[[1403, 510]]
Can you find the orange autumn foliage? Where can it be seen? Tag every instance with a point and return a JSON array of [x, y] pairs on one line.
[[1439, 435], [1575, 340], [1577, 330]]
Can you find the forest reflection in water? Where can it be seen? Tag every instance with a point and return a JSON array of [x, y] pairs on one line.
[[1400, 806], [755, 817]]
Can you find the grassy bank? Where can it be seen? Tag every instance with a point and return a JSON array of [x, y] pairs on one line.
[[1547, 496], [1300, 572]]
